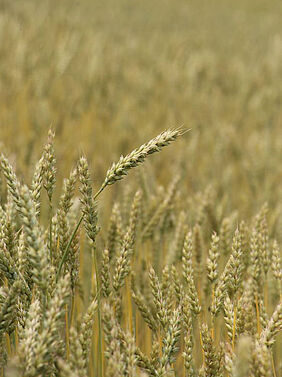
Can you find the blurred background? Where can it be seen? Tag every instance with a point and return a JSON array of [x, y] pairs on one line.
[[109, 75]]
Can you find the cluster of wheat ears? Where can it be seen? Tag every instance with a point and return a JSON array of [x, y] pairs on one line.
[[166, 298]]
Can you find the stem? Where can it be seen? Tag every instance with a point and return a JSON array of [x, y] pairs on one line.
[[8, 344], [91, 369], [160, 342], [66, 252], [202, 346], [137, 328], [266, 297], [234, 329], [72, 312], [100, 346], [67, 332], [44, 302], [273, 366], [64, 257], [234, 321], [16, 340], [50, 231], [129, 306], [213, 317], [258, 315], [99, 192]]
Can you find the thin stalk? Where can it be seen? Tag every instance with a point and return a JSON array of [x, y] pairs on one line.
[[234, 322], [160, 342], [66, 252], [93, 365], [77, 298], [99, 192], [100, 345], [148, 339], [258, 317], [202, 346], [67, 333], [8, 345], [64, 257], [273, 366], [44, 302], [50, 231], [91, 369], [234, 328], [73, 307], [16, 340], [266, 296], [137, 328], [213, 318], [129, 306]]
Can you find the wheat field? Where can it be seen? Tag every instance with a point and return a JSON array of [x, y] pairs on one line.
[[140, 188]]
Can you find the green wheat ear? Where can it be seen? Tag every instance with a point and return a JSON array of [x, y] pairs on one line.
[[121, 168], [118, 171]]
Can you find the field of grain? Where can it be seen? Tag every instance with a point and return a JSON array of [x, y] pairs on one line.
[[140, 188]]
